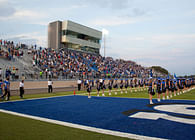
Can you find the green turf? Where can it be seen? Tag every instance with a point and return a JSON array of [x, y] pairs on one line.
[[42, 95], [16, 128]]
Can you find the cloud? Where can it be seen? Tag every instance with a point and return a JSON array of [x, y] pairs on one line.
[[6, 9], [172, 51], [112, 4], [30, 39], [114, 21]]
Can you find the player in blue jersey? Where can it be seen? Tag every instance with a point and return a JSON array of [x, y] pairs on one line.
[[103, 87], [126, 85], [7, 89], [158, 89], [131, 85], [98, 87], [175, 87], [167, 87], [121, 86], [110, 87], [88, 86], [116, 86], [1, 87], [151, 90], [171, 88], [163, 88], [135, 84]]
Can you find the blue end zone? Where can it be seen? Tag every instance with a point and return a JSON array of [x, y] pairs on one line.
[[106, 113]]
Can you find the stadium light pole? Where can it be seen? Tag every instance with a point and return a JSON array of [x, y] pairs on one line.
[[104, 32]]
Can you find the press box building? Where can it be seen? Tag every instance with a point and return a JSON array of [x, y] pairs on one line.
[[70, 35]]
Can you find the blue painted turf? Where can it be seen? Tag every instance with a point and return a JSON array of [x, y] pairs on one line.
[[106, 113]]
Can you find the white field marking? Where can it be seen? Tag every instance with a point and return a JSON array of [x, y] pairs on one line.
[[88, 128], [177, 108], [35, 99], [156, 116]]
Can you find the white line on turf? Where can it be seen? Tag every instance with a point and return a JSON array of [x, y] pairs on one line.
[[35, 99], [88, 128]]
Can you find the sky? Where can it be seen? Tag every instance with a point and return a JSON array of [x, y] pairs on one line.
[[149, 32]]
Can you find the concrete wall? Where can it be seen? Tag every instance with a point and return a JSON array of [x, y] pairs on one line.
[[36, 87], [54, 34], [42, 84]]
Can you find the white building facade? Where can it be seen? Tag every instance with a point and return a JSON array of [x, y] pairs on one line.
[[73, 36]]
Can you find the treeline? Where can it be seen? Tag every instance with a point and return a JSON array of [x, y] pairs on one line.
[[188, 76], [160, 69]]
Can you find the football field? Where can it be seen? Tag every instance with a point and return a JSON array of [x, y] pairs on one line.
[[113, 117]]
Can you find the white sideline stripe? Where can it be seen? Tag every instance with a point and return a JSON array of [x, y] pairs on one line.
[[34, 99], [88, 128]]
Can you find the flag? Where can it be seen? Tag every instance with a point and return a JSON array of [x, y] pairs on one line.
[[175, 77], [168, 76], [151, 74]]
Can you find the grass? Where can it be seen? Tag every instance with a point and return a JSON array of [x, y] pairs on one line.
[[19, 128], [16, 128]]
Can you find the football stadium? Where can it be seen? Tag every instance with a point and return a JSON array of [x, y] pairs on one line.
[[70, 90]]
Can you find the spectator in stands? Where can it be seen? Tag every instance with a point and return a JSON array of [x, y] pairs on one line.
[[21, 89], [50, 88], [41, 74], [13, 73]]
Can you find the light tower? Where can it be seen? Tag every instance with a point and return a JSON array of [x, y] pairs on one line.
[[105, 32]]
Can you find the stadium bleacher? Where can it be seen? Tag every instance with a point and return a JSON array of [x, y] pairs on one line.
[[43, 63]]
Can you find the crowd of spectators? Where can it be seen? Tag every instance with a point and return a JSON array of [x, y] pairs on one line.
[[71, 64], [11, 50]]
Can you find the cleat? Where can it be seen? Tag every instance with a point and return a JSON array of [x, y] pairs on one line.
[[158, 100], [174, 94], [103, 94], [151, 102], [115, 93], [98, 95], [109, 94], [167, 97], [163, 98]]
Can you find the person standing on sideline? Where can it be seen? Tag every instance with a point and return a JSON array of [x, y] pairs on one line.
[[79, 84], [21, 89], [7, 89], [1, 87], [50, 88], [89, 88], [0, 72]]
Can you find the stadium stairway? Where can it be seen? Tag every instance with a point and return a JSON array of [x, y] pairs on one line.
[[24, 65]]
